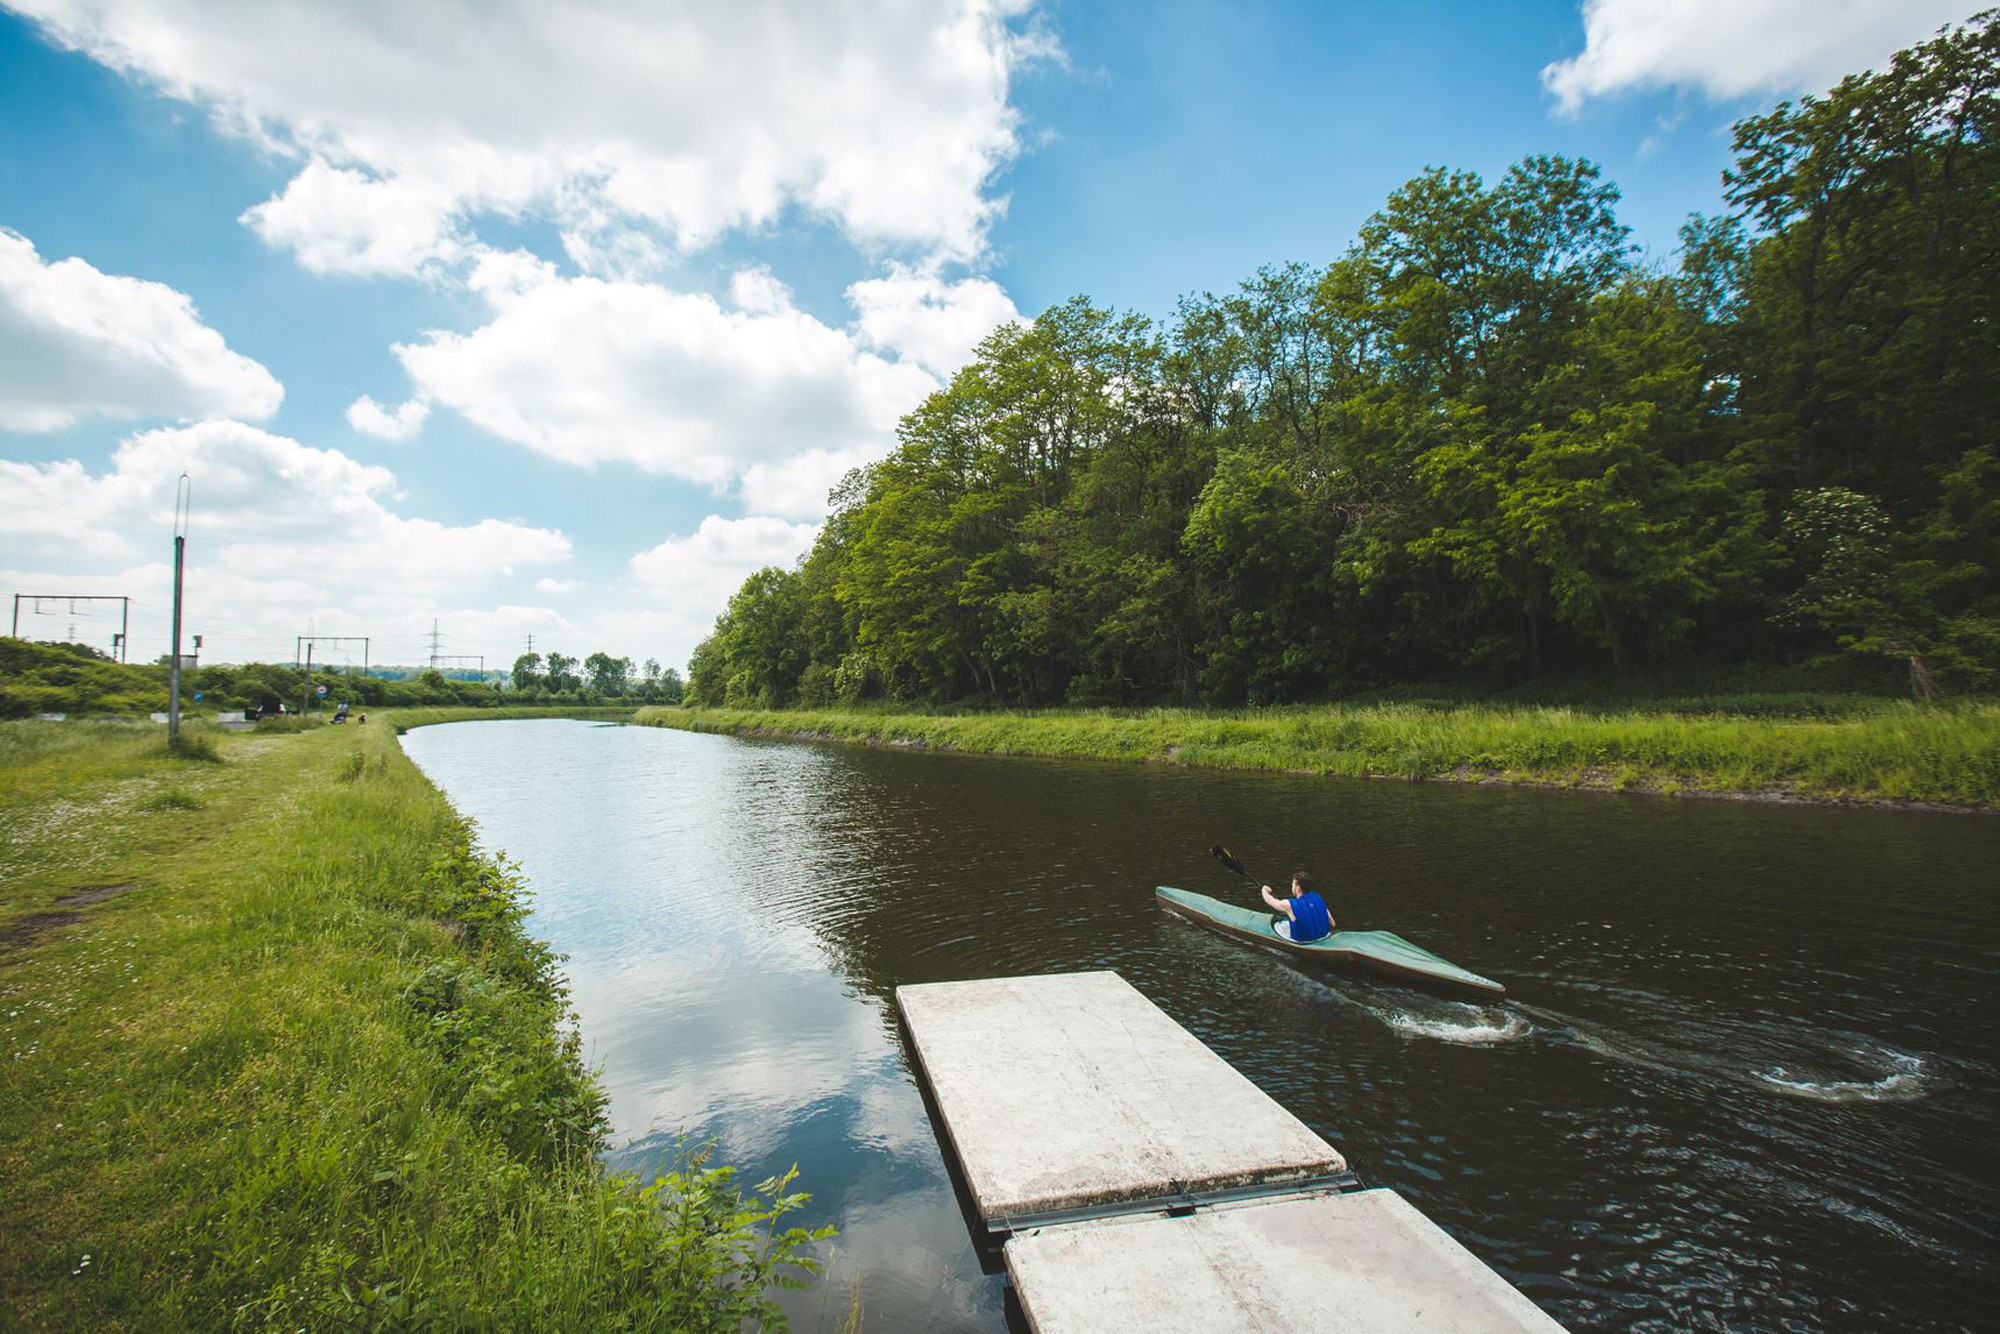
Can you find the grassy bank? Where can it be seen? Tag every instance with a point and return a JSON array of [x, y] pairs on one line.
[[280, 1055], [1816, 747], [402, 720]]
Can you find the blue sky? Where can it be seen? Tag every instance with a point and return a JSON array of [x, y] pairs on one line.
[[556, 321]]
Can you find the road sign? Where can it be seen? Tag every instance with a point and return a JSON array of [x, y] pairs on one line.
[[322, 692]]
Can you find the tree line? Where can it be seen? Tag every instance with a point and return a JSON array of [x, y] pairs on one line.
[[1488, 441], [560, 676], [77, 678]]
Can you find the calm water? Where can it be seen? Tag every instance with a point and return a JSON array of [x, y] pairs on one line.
[[1749, 1077]]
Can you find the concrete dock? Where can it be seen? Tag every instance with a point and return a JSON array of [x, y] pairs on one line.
[[1365, 1262], [1076, 1092], [1141, 1182]]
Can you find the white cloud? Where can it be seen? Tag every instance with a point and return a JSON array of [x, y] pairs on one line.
[[281, 534], [707, 565], [367, 416], [81, 343], [589, 371], [500, 275], [1729, 48], [691, 578], [796, 488], [557, 586], [889, 119], [337, 220], [754, 393], [757, 291], [927, 320]]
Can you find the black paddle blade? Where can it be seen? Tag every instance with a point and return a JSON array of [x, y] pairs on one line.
[[1221, 854]]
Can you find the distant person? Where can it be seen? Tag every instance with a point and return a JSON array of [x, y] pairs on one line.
[[1306, 911]]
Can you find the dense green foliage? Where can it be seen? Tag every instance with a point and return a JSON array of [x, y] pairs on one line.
[[292, 1062], [75, 678], [1486, 442]]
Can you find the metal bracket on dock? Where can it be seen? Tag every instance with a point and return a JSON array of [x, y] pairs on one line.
[[1180, 1204]]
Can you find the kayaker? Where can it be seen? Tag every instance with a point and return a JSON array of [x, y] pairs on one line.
[[1308, 912]]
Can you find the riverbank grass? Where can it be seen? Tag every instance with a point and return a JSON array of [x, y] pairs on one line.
[[1808, 747], [279, 1054]]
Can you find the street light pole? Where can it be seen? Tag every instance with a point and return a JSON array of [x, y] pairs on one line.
[[183, 500]]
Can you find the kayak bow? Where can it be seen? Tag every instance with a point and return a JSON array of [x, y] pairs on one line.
[[1383, 953]]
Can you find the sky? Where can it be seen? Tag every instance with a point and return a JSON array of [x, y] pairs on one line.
[[483, 324]]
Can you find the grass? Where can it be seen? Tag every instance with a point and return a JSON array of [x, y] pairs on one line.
[[1812, 747], [279, 1054], [405, 719]]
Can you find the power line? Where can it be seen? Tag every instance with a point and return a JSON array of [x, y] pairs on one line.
[[120, 641], [309, 640]]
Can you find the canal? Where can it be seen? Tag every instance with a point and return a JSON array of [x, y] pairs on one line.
[[1747, 1077]]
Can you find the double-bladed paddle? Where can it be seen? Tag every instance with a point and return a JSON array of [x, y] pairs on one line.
[[1229, 862]]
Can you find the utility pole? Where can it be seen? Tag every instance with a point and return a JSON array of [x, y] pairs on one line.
[[299, 641], [308, 640], [183, 501], [434, 643], [121, 641]]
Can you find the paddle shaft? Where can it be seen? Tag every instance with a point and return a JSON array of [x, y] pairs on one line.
[[1223, 855]]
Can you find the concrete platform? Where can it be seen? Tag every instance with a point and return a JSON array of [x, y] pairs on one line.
[[1075, 1092], [1363, 1262]]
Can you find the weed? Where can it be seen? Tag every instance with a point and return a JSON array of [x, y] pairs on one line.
[[173, 799], [192, 745]]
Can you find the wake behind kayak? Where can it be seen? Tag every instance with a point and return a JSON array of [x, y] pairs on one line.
[[1382, 953]]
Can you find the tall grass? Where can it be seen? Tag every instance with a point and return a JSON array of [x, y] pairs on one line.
[[1809, 746], [310, 1072]]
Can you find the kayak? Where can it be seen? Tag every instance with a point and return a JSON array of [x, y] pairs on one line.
[[1383, 953]]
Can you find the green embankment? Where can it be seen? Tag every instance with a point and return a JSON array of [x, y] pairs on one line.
[[1823, 748], [280, 1055], [404, 719]]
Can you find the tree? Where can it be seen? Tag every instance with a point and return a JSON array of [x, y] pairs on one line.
[[1484, 440], [1250, 540], [1876, 210], [608, 675], [1927, 598], [528, 671], [561, 674], [766, 648]]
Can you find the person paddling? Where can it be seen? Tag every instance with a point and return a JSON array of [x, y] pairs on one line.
[[1307, 911]]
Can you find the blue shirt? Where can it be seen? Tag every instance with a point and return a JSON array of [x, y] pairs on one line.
[[1310, 919]]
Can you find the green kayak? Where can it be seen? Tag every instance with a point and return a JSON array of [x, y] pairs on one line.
[[1383, 953]]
